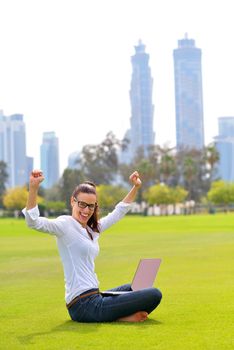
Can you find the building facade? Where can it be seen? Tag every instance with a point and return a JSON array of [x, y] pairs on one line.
[[13, 149], [141, 132], [74, 160], [225, 145], [49, 154], [188, 95]]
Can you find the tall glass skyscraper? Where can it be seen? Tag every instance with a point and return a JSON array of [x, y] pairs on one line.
[[188, 95], [13, 149], [225, 145], [141, 132], [49, 151]]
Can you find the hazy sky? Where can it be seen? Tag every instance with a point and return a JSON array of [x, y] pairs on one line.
[[66, 65]]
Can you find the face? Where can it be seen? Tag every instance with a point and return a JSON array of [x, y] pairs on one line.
[[82, 215]]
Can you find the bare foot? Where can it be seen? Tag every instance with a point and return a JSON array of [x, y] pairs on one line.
[[137, 317]]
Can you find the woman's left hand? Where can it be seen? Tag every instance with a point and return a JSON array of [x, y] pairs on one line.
[[135, 179]]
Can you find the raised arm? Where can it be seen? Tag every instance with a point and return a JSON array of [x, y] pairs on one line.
[[35, 179], [134, 178], [124, 206]]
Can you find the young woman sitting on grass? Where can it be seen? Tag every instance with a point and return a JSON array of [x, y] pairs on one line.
[[77, 238]]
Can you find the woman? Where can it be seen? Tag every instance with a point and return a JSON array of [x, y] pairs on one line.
[[77, 238]]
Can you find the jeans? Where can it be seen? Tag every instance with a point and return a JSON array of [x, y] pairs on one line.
[[105, 308]]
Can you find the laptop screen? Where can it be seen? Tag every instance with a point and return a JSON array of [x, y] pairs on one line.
[[145, 274]]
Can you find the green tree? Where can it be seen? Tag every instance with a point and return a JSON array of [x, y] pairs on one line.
[[167, 165], [221, 193], [212, 157], [69, 180], [16, 198], [53, 193], [109, 195], [100, 162], [191, 172], [177, 195], [3, 180], [158, 194], [146, 165], [55, 208]]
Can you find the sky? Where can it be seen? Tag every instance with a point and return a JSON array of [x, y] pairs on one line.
[[66, 65]]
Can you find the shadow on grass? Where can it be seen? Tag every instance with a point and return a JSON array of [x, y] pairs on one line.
[[83, 328]]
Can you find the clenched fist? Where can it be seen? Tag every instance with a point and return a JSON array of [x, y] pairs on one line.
[[36, 178]]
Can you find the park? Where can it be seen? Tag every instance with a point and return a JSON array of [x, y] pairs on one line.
[[195, 277]]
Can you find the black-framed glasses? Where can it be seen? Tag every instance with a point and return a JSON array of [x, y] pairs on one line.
[[83, 205]]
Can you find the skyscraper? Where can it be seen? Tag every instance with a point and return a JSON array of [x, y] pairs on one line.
[[225, 145], [13, 149], [74, 160], [50, 159], [188, 95], [141, 132]]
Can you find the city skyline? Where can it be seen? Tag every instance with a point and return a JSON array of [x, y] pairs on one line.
[[72, 74]]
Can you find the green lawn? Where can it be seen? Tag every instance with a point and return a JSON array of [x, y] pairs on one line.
[[196, 278]]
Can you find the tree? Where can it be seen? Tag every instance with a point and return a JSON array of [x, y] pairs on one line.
[[163, 195], [192, 172], [100, 162], [69, 180], [212, 157], [109, 195], [16, 198], [53, 193], [3, 180], [146, 171], [167, 166], [177, 195], [158, 194], [148, 168], [221, 193], [55, 208]]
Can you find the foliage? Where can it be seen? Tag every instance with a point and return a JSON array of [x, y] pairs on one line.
[[55, 206], [3, 180], [148, 168], [16, 198], [162, 194], [221, 193], [158, 194], [109, 195], [212, 157], [193, 172], [53, 193], [193, 169], [177, 195], [167, 164], [100, 162], [68, 182]]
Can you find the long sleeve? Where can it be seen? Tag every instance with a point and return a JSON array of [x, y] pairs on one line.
[[51, 226], [117, 214]]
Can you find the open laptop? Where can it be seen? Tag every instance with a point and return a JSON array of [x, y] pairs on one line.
[[144, 276]]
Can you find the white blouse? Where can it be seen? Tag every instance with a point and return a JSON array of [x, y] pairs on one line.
[[76, 249]]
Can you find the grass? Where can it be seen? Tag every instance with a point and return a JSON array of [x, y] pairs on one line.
[[196, 279]]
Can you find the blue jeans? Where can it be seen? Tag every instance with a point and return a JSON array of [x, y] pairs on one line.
[[102, 308]]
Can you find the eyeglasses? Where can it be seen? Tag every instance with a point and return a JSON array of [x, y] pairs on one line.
[[84, 204]]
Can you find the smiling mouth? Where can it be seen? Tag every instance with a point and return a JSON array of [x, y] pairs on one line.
[[84, 215]]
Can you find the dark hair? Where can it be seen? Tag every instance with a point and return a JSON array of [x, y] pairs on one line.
[[90, 188]]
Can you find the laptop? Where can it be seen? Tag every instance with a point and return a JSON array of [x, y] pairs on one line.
[[144, 276]]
